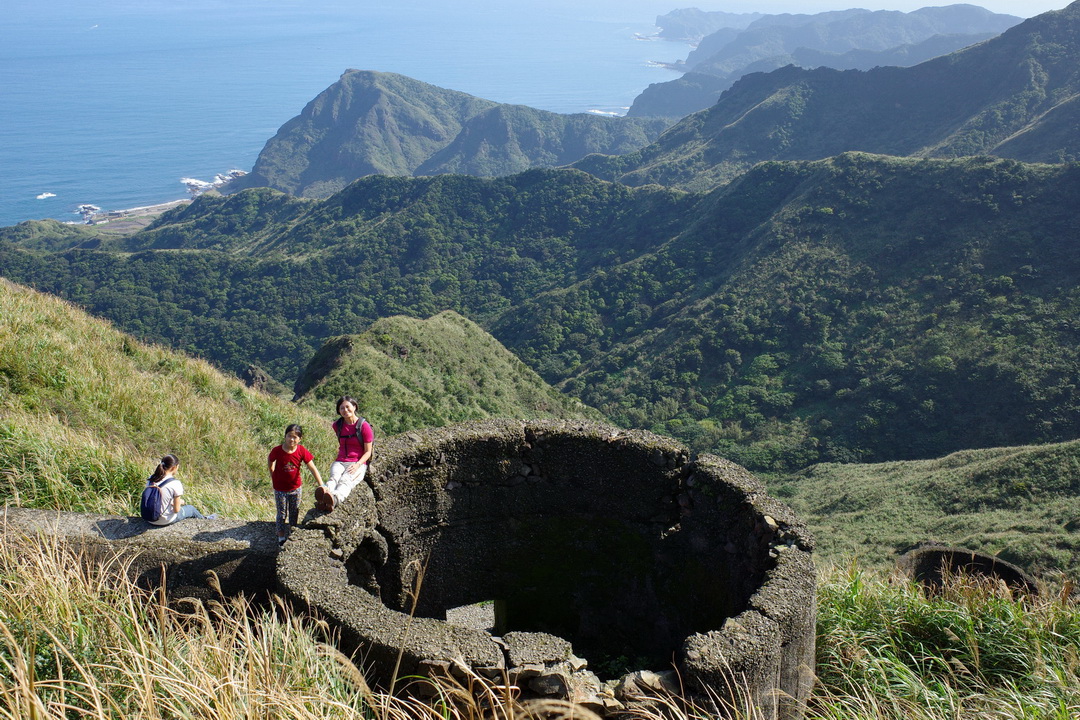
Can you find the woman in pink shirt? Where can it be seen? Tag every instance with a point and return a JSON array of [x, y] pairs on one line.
[[355, 439]]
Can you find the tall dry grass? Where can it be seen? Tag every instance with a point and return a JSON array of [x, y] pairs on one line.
[[887, 650], [79, 639]]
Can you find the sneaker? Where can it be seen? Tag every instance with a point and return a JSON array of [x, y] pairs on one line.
[[324, 500], [212, 516], [280, 541]]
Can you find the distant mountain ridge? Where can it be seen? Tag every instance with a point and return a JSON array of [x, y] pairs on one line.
[[1012, 96], [692, 24], [370, 123], [841, 39]]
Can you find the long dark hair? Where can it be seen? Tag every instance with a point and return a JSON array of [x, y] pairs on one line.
[[346, 398], [167, 463]]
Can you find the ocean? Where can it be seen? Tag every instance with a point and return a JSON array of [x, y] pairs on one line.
[[113, 102]]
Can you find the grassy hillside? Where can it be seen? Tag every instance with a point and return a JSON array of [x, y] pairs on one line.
[[1009, 96], [366, 122], [86, 412], [408, 373], [83, 407], [1021, 503]]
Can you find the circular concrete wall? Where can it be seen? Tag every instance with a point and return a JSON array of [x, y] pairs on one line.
[[587, 540]]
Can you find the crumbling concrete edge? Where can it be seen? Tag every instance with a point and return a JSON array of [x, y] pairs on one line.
[[240, 554]]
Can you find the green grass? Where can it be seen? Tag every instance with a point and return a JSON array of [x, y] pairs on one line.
[[886, 650], [1020, 503], [86, 413], [408, 373]]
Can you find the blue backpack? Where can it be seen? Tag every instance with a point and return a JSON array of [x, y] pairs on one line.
[[150, 504]]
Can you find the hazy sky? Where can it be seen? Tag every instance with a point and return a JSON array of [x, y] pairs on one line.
[[1021, 8]]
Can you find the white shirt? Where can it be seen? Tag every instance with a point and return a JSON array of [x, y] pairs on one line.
[[169, 490]]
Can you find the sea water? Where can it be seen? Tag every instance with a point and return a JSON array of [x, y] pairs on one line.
[[113, 102]]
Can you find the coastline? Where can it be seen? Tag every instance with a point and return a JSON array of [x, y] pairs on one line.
[[132, 219], [142, 211], [93, 215]]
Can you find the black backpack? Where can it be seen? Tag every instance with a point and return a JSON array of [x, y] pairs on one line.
[[150, 504]]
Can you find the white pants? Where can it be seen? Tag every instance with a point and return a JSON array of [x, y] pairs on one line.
[[343, 478]]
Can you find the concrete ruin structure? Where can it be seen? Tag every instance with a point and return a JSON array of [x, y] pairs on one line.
[[614, 565], [601, 551], [241, 555], [931, 563]]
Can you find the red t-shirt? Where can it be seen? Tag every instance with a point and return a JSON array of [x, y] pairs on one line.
[[351, 447], [286, 475]]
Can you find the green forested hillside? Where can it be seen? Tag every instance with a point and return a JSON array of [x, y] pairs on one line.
[[262, 278], [856, 308], [382, 123], [860, 308], [1010, 96], [508, 139], [408, 373]]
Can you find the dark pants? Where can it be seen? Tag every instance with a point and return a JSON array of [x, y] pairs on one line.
[[287, 503]]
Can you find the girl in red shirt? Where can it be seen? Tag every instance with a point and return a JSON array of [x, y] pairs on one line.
[[285, 462]]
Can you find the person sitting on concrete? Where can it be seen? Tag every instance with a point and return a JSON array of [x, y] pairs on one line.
[[161, 502], [355, 440]]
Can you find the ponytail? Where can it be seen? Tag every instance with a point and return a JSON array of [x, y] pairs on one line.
[[167, 463]]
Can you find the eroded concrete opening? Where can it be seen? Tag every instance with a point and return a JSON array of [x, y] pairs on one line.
[[568, 536], [610, 545]]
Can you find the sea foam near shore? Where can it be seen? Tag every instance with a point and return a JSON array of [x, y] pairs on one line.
[[151, 110]]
